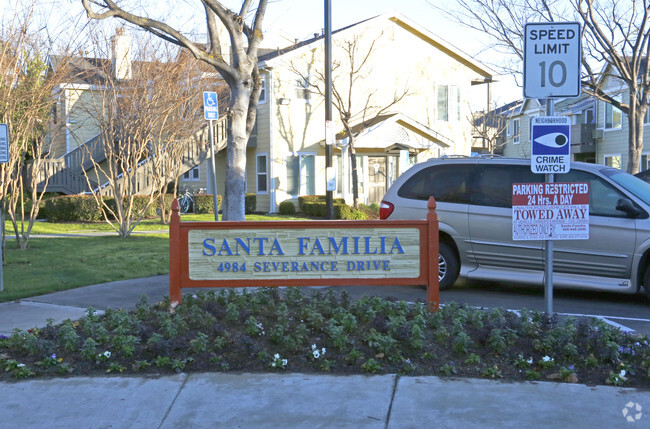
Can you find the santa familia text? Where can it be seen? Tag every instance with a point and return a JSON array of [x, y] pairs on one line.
[[261, 246], [313, 247]]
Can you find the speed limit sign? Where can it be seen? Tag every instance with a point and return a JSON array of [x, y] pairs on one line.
[[552, 58]]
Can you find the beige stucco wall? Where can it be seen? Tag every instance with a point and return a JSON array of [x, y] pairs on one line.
[[399, 62]]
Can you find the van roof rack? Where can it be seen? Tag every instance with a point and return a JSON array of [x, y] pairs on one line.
[[453, 156]]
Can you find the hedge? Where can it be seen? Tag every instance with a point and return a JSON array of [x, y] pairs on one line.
[[84, 208], [287, 207], [305, 199], [341, 211]]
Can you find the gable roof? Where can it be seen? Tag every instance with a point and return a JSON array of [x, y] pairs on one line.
[[401, 21]]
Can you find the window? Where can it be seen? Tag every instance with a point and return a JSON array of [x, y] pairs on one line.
[[302, 89], [613, 117], [301, 174], [458, 109], [493, 187], [645, 162], [646, 117], [603, 197], [262, 172], [613, 161], [515, 131], [443, 103], [192, 175], [263, 92], [447, 184]]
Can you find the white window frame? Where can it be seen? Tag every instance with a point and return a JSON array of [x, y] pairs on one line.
[[605, 107], [302, 184], [647, 162], [439, 114], [195, 171], [516, 131], [263, 96], [264, 173], [301, 85], [613, 155]]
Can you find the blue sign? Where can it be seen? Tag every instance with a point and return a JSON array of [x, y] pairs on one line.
[[551, 144], [210, 105]]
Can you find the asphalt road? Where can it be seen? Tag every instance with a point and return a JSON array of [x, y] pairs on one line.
[[631, 312]]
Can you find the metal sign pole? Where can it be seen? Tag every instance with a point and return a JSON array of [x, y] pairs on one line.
[[2, 242], [214, 171], [4, 158], [548, 260]]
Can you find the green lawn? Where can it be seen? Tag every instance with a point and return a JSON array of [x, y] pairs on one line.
[[54, 264], [146, 225]]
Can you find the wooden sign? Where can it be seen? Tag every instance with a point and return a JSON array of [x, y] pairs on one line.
[[303, 253]]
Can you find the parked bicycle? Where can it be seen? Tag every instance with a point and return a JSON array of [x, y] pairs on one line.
[[186, 202]]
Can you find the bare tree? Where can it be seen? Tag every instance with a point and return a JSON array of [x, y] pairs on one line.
[[238, 67], [175, 101], [144, 112], [615, 46], [356, 109], [25, 106], [490, 127]]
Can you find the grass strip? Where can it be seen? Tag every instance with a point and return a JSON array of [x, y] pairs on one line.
[[55, 264]]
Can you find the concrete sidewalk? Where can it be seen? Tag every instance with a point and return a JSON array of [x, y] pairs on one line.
[[208, 400], [223, 400]]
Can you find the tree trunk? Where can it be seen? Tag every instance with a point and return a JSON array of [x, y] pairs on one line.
[[355, 176], [235, 186], [635, 124]]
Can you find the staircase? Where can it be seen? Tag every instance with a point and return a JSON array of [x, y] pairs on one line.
[[66, 173]]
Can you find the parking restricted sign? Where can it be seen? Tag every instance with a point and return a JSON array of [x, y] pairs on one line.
[[550, 211]]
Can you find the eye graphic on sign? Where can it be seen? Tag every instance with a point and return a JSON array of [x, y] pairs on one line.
[[552, 140]]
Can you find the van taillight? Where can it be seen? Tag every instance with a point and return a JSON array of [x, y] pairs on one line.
[[385, 209]]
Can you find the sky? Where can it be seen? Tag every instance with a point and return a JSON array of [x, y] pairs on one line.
[[288, 20]]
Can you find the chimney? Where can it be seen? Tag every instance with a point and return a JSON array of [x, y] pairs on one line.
[[121, 61]]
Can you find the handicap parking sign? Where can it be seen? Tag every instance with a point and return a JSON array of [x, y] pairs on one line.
[[210, 105], [551, 144]]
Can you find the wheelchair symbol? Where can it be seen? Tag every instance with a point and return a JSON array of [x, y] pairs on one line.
[[210, 99]]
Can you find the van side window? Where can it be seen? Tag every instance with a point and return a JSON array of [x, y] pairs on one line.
[[493, 186], [447, 184], [602, 196]]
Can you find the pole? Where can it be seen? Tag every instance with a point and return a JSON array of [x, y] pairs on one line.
[[214, 171], [2, 242], [548, 266], [329, 195]]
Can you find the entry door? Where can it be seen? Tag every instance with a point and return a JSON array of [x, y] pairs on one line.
[[376, 178]]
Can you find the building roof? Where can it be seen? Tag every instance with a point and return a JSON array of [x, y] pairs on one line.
[[401, 21]]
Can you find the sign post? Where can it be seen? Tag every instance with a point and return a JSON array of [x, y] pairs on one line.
[[210, 113], [552, 61], [4, 158]]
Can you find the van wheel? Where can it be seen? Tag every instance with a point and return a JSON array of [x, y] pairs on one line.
[[646, 282], [447, 266]]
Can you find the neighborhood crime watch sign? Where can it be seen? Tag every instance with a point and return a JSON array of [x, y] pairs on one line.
[[551, 144], [550, 211], [552, 59]]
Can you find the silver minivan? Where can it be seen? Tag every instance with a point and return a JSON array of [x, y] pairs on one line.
[[474, 206]]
